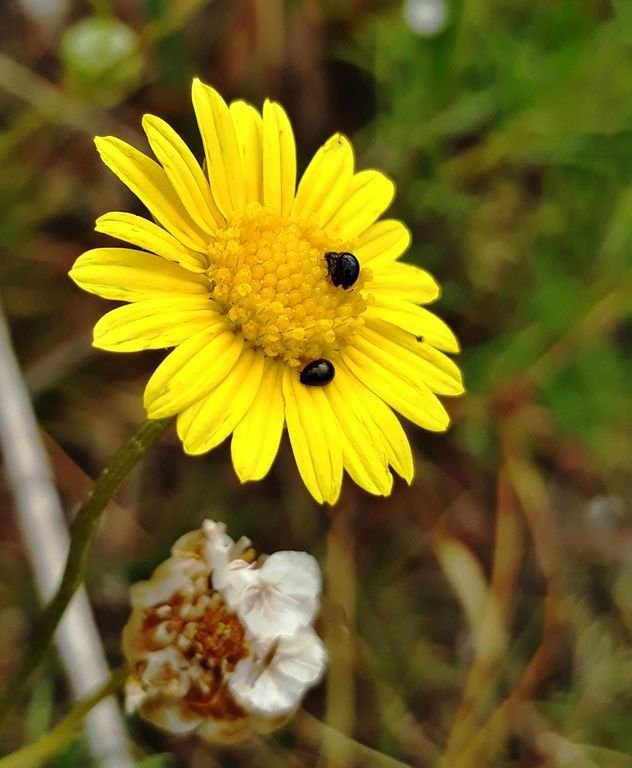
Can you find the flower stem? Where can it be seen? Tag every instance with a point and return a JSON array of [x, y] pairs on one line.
[[38, 752], [82, 530]]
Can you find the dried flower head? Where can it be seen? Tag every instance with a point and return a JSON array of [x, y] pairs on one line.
[[221, 642]]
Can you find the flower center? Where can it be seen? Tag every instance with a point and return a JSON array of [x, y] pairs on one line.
[[190, 642], [269, 274], [219, 635], [201, 625]]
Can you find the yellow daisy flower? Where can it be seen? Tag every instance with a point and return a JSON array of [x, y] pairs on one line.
[[286, 305]]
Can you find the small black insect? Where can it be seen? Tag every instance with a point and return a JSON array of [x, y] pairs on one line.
[[318, 373], [343, 268]]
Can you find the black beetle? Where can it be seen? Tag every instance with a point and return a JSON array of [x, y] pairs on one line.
[[318, 373], [343, 268]]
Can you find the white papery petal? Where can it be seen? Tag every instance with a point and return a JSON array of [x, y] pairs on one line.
[[226, 731], [216, 549], [293, 573], [235, 579], [217, 543], [188, 543], [279, 597], [135, 694], [215, 534], [261, 692], [243, 544], [167, 671], [170, 715], [175, 576], [300, 658], [271, 687]]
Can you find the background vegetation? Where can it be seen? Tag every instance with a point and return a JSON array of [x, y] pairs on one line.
[[482, 617]]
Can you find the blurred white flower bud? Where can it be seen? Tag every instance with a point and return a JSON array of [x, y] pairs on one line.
[[102, 59], [221, 643], [46, 13], [604, 512], [425, 17]]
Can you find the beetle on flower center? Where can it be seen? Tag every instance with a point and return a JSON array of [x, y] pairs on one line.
[[343, 268]]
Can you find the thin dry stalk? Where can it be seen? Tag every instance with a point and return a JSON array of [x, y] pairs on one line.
[[512, 714]]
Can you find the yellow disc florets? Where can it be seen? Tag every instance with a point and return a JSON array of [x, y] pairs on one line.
[[269, 275]]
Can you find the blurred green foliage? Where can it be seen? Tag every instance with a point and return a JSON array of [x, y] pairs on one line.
[[509, 134]]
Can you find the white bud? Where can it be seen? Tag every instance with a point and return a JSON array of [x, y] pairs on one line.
[[425, 17]]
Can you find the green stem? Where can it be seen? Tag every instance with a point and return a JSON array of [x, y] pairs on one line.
[[35, 754], [83, 529]]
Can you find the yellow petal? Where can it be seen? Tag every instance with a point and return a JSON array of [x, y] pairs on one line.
[[154, 323], [184, 172], [149, 236], [364, 457], [381, 422], [416, 320], [369, 194], [219, 412], [382, 243], [149, 182], [315, 438], [249, 129], [324, 184], [279, 159], [415, 401], [192, 370], [223, 157], [256, 438], [440, 373], [404, 281], [415, 368], [127, 275]]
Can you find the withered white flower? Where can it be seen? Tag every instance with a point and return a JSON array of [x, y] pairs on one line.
[[221, 642]]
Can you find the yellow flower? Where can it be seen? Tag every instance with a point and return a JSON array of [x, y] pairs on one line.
[[232, 273]]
